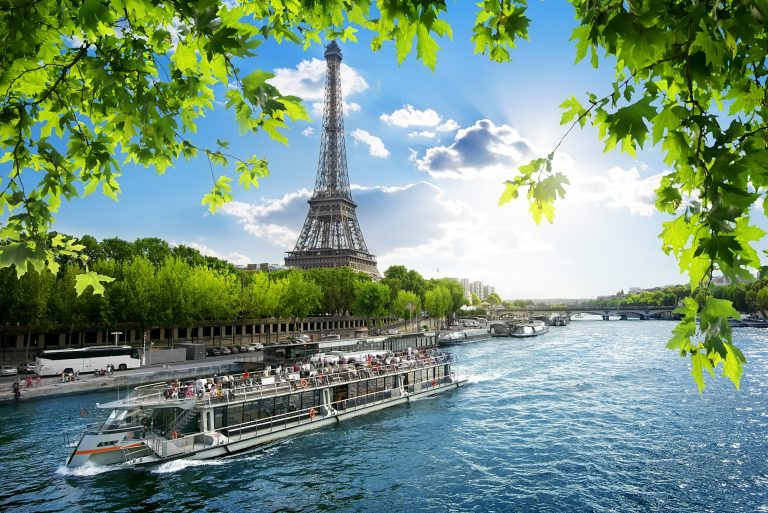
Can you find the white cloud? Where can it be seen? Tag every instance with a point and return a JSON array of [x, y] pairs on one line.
[[488, 150], [618, 188], [424, 133], [274, 219], [483, 149], [233, 257], [448, 126], [308, 132], [282, 236], [408, 116], [307, 81], [375, 145]]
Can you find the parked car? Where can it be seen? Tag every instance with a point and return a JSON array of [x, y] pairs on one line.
[[8, 370], [226, 350], [242, 349], [255, 347], [214, 351], [27, 368]]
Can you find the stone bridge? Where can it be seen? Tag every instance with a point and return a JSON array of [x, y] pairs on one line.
[[624, 312]]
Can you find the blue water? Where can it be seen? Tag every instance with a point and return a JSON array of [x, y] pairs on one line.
[[597, 416]]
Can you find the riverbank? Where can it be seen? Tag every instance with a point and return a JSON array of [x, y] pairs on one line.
[[125, 380]]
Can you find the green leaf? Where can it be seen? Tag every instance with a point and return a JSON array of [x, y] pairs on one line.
[[542, 208], [17, 254], [717, 309], [426, 47], [732, 364], [510, 192], [572, 110], [699, 362], [184, 57], [91, 279], [256, 79], [666, 120]]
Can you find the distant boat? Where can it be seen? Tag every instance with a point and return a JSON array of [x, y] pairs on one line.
[[456, 337], [522, 331], [560, 320]]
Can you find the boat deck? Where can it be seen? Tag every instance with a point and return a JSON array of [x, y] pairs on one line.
[[248, 388]]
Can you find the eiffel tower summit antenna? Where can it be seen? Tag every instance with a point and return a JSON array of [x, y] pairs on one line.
[[331, 235]]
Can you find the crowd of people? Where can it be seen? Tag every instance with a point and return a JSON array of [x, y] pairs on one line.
[[316, 371]]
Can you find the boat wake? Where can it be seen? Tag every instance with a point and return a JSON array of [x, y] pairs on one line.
[[87, 470], [174, 466], [479, 378]]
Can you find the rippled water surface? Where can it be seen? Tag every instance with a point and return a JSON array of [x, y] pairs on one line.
[[596, 416]]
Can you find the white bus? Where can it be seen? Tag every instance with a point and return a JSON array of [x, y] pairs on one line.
[[86, 359]]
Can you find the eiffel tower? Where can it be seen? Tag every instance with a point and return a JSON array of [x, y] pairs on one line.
[[331, 236]]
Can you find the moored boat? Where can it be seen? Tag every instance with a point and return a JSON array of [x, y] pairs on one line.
[[522, 331], [457, 337], [212, 417]]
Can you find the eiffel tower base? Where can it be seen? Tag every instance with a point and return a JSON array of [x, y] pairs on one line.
[[314, 258]]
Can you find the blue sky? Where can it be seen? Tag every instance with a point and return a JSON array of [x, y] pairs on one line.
[[427, 154]]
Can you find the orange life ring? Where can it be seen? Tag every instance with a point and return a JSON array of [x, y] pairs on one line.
[[434, 382], [312, 413], [304, 383], [174, 435]]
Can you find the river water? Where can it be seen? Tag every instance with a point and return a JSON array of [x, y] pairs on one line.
[[596, 416]]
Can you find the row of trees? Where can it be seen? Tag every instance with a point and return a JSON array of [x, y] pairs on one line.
[[159, 285]]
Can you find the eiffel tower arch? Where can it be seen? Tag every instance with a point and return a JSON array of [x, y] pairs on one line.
[[331, 235]]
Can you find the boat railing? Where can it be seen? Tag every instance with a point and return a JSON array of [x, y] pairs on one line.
[[257, 386], [144, 393], [251, 389]]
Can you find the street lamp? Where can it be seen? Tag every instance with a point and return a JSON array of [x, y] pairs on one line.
[[116, 334]]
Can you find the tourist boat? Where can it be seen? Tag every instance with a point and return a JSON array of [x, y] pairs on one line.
[[215, 417], [522, 330], [560, 320], [461, 336], [540, 327]]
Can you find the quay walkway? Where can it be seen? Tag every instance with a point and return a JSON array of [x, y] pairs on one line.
[[120, 380]]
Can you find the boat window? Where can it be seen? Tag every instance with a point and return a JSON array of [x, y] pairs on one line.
[[218, 417], [295, 404], [250, 411], [266, 407], [281, 405], [114, 419], [234, 414], [307, 400]]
